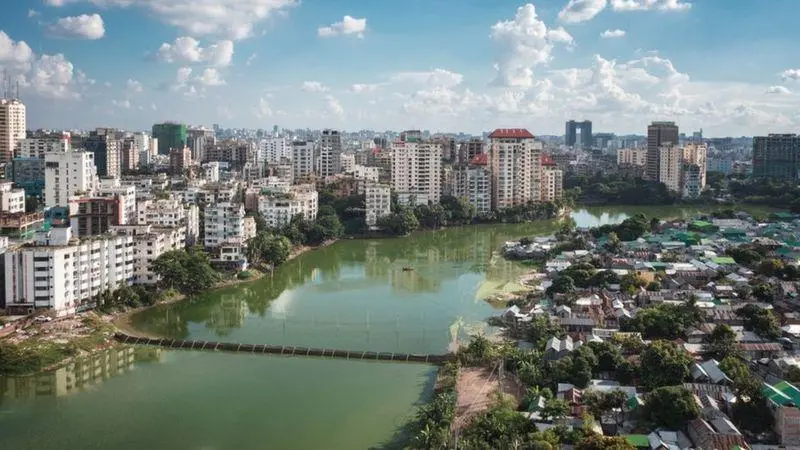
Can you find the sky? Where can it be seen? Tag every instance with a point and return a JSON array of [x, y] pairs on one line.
[[729, 67]]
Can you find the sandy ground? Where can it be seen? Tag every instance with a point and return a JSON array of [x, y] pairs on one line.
[[58, 330], [476, 388]]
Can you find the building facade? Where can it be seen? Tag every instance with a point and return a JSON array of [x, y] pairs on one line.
[[179, 160], [278, 208], [473, 182], [670, 165], [571, 134], [302, 160], [11, 200], [12, 127], [515, 161], [552, 181], [378, 202], [416, 171], [329, 154], [223, 223], [107, 153], [35, 145], [150, 242], [659, 134], [632, 157], [777, 156], [170, 135], [67, 174]]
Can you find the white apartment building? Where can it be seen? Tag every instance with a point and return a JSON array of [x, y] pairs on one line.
[[11, 200], [274, 150], [210, 172], [169, 213], [12, 127], [277, 209], [378, 202], [329, 161], [302, 159], [111, 187], [416, 171], [632, 157], [697, 154], [63, 273], [515, 161], [150, 242], [209, 193], [348, 161], [66, 174], [474, 184], [224, 223], [670, 166], [36, 147], [198, 140], [366, 173]]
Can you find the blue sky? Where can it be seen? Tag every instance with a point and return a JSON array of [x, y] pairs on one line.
[[444, 65]]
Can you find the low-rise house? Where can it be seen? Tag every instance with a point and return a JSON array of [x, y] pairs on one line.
[[715, 434], [783, 399], [709, 372], [559, 348]]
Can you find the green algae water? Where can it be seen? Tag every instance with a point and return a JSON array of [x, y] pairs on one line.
[[417, 294]]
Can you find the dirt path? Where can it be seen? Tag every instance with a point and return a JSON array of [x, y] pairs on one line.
[[476, 388]]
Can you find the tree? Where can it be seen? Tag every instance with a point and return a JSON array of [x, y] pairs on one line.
[[671, 407], [459, 210], [734, 368], [598, 442], [276, 250], [188, 271], [563, 284], [793, 374], [632, 282], [761, 321], [613, 245], [554, 408], [599, 402], [764, 293], [721, 343], [608, 356], [664, 364], [401, 223], [665, 321], [654, 286]]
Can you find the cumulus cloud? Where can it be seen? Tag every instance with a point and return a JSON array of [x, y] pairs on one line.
[[610, 34], [263, 109], [778, 90], [333, 107], [582, 10], [349, 25], [358, 88], [211, 77], [313, 86], [79, 27], [134, 86], [789, 74], [232, 19], [523, 43], [436, 77], [188, 50]]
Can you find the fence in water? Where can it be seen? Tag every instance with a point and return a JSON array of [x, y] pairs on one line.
[[285, 350]]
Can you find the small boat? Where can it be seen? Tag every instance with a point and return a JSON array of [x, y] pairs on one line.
[[407, 269]]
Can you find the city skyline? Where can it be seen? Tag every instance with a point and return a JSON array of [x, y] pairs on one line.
[[255, 64]]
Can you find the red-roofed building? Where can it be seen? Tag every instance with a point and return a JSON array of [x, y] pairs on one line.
[[552, 180], [547, 160], [511, 133], [481, 159]]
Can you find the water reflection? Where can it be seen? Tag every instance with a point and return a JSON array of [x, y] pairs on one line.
[[79, 375]]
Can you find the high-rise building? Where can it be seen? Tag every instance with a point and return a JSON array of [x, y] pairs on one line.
[[632, 157], [670, 166], [11, 200], [170, 135], [179, 160], [571, 134], [777, 156], [659, 134], [67, 174], [697, 155], [473, 182], [552, 180], [302, 160], [329, 154], [471, 149], [416, 172], [28, 173], [223, 223], [515, 160], [198, 139], [107, 150], [129, 155], [275, 150], [12, 127]]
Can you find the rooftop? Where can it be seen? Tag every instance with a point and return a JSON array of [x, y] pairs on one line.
[[511, 133]]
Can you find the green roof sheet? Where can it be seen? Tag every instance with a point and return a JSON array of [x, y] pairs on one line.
[[638, 440], [724, 260], [782, 393]]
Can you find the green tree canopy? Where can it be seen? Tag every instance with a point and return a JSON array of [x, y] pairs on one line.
[[188, 271], [671, 407], [721, 343], [664, 364]]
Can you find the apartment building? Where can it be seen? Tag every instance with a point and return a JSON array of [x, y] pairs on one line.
[[515, 162], [274, 150], [552, 180], [378, 202], [169, 213], [209, 193], [150, 242], [179, 160], [473, 182], [659, 134], [279, 208], [63, 273], [107, 150], [329, 161], [348, 162], [12, 127], [632, 157], [697, 155], [92, 216], [112, 187], [223, 223], [302, 160], [197, 140], [777, 156], [670, 166], [36, 144], [210, 172], [67, 174], [11, 200], [129, 155], [416, 172]]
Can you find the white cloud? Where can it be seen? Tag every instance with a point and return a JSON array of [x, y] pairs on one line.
[[348, 25], [789, 74], [134, 86], [210, 77], [15, 54], [232, 19], [777, 90], [32, 13], [523, 43], [361, 87], [610, 34], [250, 59], [263, 109], [51, 76], [436, 77], [188, 50], [313, 86], [333, 107], [581, 10], [646, 5], [83, 79], [126, 104], [79, 27]]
